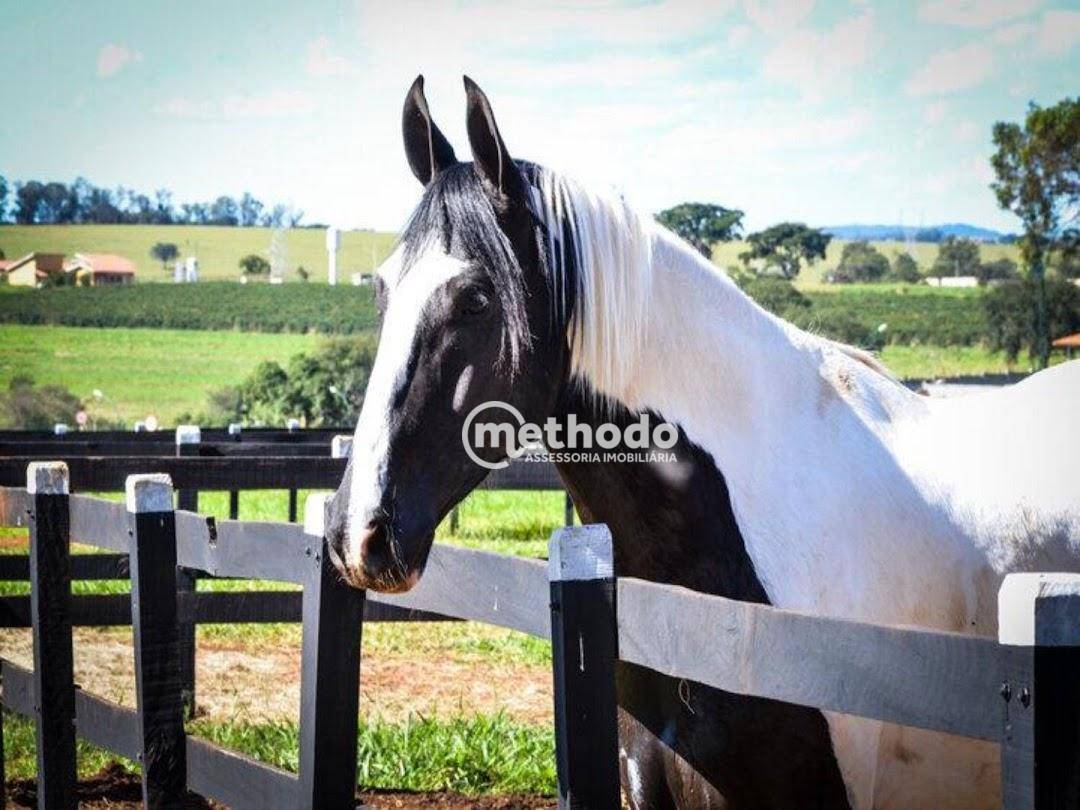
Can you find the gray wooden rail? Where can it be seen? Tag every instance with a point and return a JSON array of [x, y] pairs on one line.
[[1021, 690]]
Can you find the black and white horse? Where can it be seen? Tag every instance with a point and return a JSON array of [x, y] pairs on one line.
[[842, 493]]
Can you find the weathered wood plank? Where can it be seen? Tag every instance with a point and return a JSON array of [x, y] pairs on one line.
[[238, 781], [248, 549], [480, 586], [15, 505], [99, 523], [938, 681]]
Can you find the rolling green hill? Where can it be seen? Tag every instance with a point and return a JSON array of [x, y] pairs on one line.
[[218, 249]]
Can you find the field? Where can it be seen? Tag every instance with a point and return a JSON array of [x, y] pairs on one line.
[[139, 371], [726, 254], [218, 249]]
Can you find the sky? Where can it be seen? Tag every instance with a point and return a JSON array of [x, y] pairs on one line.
[[829, 113]]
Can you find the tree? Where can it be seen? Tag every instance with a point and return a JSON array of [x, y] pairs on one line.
[[957, 256], [165, 252], [1002, 269], [1037, 170], [26, 406], [1010, 314], [702, 224], [27, 199], [777, 295], [254, 265], [4, 190], [250, 210], [786, 246], [905, 269], [860, 261], [224, 211]]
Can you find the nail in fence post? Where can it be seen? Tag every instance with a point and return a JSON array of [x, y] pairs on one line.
[[188, 439], [235, 429], [50, 616], [156, 629], [1039, 633], [584, 648], [329, 674]]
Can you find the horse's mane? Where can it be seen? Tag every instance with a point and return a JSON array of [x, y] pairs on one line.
[[597, 254]]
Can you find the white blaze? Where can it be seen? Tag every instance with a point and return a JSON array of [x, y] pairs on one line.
[[408, 294]]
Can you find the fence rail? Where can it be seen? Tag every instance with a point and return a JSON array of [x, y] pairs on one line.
[[1021, 690]]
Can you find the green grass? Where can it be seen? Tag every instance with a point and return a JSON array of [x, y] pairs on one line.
[[478, 754], [931, 362], [726, 254], [139, 371], [218, 249]]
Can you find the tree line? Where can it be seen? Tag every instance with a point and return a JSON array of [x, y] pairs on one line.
[[37, 202]]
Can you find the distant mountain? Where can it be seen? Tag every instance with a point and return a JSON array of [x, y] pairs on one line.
[[928, 233]]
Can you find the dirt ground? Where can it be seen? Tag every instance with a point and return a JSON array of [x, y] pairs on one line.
[[260, 681], [116, 789]]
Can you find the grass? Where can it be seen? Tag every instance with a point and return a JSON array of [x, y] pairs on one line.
[[474, 755], [726, 254], [931, 362], [218, 249], [139, 371]]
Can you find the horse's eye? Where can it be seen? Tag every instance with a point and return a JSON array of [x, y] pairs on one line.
[[474, 302]]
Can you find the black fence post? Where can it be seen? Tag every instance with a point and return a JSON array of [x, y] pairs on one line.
[[156, 629], [1039, 633], [235, 429], [292, 425], [329, 675], [584, 649], [188, 438], [50, 612]]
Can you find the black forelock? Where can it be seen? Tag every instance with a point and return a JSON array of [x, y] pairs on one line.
[[456, 211]]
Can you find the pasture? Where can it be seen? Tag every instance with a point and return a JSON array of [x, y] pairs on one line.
[[217, 248]]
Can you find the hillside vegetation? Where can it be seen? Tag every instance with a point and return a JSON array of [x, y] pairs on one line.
[[726, 254], [219, 249], [255, 307]]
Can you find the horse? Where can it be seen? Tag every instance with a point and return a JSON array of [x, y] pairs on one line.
[[849, 495]]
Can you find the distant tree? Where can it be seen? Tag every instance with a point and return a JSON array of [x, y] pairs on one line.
[[860, 261], [28, 197], [905, 269], [165, 252], [224, 211], [26, 406], [1037, 168], [1066, 256], [250, 210], [786, 246], [163, 207], [1003, 269], [929, 235], [1010, 314], [301, 271], [5, 189], [702, 224], [254, 265], [957, 256], [2, 254]]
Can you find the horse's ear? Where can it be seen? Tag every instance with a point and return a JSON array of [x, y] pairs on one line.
[[490, 156], [426, 147]]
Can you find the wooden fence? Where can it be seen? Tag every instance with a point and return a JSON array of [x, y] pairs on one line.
[[1022, 690]]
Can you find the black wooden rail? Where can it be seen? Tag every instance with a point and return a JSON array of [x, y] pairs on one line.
[[1021, 690]]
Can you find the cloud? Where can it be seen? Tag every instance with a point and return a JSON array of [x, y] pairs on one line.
[[238, 106], [934, 113], [816, 62], [322, 61], [739, 35], [951, 70], [777, 16], [1059, 33], [975, 13], [114, 58]]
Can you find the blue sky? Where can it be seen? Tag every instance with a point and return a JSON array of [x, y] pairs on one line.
[[827, 112]]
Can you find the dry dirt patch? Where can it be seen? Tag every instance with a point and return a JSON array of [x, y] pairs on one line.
[[261, 682]]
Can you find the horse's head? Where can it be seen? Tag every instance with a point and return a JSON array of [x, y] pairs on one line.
[[469, 316]]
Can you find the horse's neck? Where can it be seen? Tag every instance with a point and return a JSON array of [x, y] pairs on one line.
[[671, 524], [706, 355]]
